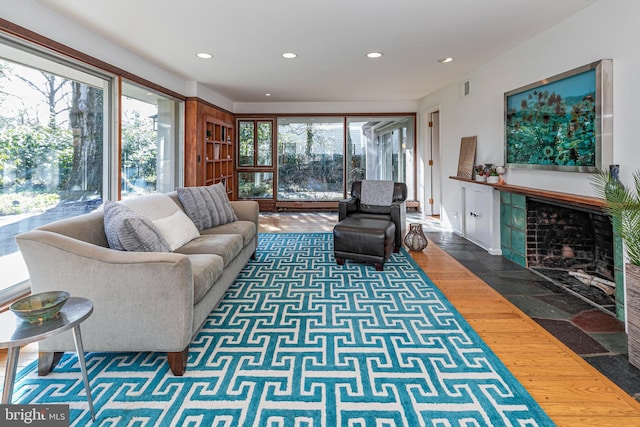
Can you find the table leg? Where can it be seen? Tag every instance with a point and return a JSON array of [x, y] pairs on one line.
[[10, 374], [83, 367]]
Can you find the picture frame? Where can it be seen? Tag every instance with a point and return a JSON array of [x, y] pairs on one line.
[[563, 122], [467, 157]]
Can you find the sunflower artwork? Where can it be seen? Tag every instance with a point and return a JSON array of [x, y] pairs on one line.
[[553, 124]]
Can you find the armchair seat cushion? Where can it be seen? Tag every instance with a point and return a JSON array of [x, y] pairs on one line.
[[365, 215]]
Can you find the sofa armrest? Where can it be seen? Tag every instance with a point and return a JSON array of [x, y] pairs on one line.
[[246, 210], [138, 296]]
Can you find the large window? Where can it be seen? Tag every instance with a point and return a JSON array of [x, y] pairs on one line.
[[310, 159], [150, 135], [318, 158], [255, 159], [54, 122], [58, 150]]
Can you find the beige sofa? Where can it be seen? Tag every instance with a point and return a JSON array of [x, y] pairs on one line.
[[143, 301]]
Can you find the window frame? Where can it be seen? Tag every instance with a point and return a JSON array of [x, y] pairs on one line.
[[39, 46]]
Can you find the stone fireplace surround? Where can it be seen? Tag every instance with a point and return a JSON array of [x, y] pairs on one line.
[[555, 233], [514, 237]]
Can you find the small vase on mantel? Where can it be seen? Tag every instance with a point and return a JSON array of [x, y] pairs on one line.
[[415, 239]]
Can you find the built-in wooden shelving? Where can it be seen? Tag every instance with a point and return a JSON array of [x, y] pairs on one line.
[[218, 153]]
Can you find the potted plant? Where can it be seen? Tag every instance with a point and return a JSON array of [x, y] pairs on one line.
[[481, 174], [492, 176], [623, 204]]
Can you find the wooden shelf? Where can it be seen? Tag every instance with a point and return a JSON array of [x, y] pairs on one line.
[[218, 153], [567, 198]]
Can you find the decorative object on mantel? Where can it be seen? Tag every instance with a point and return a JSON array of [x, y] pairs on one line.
[[480, 173], [415, 239], [467, 157], [492, 175], [501, 171], [487, 173], [623, 205]]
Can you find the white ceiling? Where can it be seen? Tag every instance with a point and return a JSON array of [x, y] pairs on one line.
[[331, 38]]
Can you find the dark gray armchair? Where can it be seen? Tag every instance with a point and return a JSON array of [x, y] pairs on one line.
[[395, 212]]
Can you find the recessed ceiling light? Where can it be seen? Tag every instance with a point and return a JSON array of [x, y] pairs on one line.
[[374, 55], [445, 60], [267, 94], [289, 55], [204, 55]]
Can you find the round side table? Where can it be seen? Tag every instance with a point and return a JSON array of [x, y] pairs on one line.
[[15, 333]]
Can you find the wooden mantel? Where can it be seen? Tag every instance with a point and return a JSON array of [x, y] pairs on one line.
[[568, 198]]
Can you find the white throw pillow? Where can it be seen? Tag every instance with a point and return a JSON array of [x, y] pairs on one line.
[[177, 229]]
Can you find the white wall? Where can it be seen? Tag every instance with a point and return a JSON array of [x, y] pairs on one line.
[[606, 29]]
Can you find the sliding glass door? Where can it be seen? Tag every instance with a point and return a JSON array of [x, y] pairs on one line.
[[380, 148]]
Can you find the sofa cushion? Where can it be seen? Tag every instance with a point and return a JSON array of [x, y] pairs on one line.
[[130, 231], [207, 206], [206, 269], [177, 229], [246, 229], [228, 246]]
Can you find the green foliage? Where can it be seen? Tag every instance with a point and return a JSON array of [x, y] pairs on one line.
[[26, 148], [26, 202], [251, 190], [550, 130], [623, 204], [139, 151]]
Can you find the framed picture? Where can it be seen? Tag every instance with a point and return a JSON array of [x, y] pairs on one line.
[[467, 157], [563, 122]]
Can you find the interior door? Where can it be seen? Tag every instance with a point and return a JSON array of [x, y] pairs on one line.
[[433, 173]]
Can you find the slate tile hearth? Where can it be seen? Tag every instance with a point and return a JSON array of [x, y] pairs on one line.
[[596, 336]]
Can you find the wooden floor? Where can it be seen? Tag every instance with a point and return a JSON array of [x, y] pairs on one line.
[[569, 390]]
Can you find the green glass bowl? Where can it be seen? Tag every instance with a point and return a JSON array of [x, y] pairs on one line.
[[40, 307]]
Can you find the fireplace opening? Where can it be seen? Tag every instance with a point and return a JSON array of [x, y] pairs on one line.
[[573, 248]]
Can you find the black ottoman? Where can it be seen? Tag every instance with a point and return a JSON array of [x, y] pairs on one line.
[[365, 240]]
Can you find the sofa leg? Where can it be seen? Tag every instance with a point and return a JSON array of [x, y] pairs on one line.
[[253, 256], [379, 266], [47, 360], [396, 249], [178, 361], [340, 261]]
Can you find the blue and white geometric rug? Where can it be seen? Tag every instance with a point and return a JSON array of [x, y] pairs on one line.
[[301, 341]]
